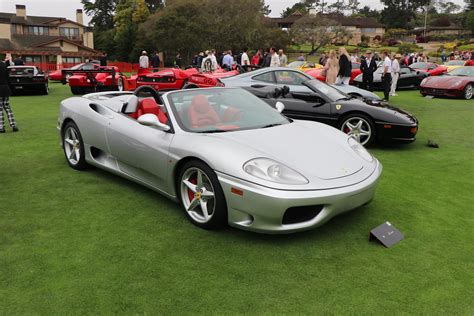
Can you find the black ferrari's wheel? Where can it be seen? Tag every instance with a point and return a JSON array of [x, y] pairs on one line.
[[201, 195], [77, 90], [45, 89], [468, 92], [73, 146], [360, 127]]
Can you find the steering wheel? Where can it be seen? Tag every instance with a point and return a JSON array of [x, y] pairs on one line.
[[150, 90]]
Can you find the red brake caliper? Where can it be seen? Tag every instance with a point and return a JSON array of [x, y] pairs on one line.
[[191, 193]]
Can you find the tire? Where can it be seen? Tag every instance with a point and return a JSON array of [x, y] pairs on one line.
[[72, 143], [193, 194], [45, 89], [77, 90], [468, 92], [350, 126]]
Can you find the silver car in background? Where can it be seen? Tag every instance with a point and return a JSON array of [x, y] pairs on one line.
[[223, 154]]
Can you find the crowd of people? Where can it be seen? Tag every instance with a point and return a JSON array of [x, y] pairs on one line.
[[210, 60]]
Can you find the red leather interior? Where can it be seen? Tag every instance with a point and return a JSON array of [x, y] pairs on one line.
[[201, 113], [232, 115], [149, 106]]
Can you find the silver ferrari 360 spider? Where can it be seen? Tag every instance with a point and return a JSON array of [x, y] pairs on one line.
[[223, 154]]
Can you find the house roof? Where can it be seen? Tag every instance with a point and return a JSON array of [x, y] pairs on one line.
[[35, 44], [32, 20], [340, 18]]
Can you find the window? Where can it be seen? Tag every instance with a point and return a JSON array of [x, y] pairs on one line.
[[290, 77], [38, 30], [16, 29], [265, 77], [72, 60], [69, 32], [368, 30], [32, 59]]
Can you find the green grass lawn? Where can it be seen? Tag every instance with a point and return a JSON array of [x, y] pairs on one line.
[[92, 243]]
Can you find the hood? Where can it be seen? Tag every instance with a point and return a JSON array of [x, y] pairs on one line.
[[312, 151], [442, 81], [318, 152]]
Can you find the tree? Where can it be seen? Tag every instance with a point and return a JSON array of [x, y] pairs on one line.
[[368, 13], [154, 5], [469, 5], [102, 12], [353, 6], [317, 31], [398, 13], [470, 21], [337, 7], [446, 7], [297, 7]]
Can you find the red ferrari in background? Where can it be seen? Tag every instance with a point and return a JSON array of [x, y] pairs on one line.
[[162, 80], [208, 79], [457, 83], [430, 68], [94, 79], [320, 73]]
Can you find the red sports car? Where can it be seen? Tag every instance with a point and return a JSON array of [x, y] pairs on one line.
[[94, 80], [320, 73], [57, 75], [457, 83], [162, 80], [430, 68], [208, 79]]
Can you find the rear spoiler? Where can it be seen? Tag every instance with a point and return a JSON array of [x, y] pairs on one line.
[[89, 73]]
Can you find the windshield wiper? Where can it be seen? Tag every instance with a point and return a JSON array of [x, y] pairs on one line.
[[272, 125]]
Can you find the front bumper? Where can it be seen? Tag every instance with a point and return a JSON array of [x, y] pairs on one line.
[[262, 209], [453, 93]]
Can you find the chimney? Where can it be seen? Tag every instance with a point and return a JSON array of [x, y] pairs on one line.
[[21, 11], [79, 17]]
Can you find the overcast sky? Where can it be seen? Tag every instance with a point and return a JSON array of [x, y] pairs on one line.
[[67, 8]]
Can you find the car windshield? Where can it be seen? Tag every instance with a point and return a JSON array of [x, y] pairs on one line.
[[463, 71], [420, 65], [77, 67], [455, 63], [222, 110], [22, 71], [296, 64], [325, 90]]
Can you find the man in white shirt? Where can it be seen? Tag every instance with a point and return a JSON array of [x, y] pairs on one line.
[[144, 62], [283, 58], [395, 74], [207, 63], [214, 60], [275, 62], [386, 75], [245, 61]]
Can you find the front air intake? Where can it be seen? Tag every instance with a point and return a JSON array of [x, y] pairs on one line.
[[300, 214]]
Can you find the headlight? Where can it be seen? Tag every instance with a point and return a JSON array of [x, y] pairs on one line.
[[360, 150], [270, 170]]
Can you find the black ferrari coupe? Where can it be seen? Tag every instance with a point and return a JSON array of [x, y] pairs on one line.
[[409, 78], [28, 79], [367, 121]]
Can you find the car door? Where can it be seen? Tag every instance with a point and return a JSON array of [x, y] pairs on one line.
[[307, 106], [407, 77], [142, 152], [266, 79]]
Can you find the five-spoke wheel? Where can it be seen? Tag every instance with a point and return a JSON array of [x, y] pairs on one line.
[[360, 128], [468, 92], [73, 146], [201, 195]]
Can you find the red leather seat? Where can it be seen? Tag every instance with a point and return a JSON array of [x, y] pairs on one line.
[[201, 113], [149, 106]]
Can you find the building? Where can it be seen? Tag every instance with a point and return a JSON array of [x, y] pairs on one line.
[[358, 27], [45, 40]]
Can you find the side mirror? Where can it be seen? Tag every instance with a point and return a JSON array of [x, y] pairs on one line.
[[152, 120], [280, 107]]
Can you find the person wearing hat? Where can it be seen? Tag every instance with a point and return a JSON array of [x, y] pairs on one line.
[[144, 62], [368, 66], [5, 98], [395, 74]]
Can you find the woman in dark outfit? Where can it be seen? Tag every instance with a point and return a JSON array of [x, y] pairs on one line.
[[345, 67], [5, 99]]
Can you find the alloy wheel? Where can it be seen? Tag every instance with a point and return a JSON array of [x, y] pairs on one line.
[[358, 128], [197, 195], [72, 145], [468, 92]]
